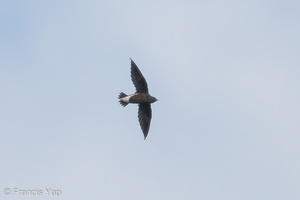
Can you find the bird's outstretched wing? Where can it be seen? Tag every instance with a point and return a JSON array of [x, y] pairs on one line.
[[145, 115], [138, 79]]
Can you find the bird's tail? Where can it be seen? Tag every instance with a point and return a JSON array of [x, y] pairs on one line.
[[121, 95]]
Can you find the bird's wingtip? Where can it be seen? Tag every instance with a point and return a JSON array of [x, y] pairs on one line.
[[145, 136]]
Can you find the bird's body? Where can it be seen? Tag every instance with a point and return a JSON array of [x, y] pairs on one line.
[[138, 98], [141, 97]]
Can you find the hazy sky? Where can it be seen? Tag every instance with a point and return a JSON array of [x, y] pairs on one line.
[[226, 126]]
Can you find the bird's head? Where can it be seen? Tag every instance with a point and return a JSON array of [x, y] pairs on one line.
[[153, 99]]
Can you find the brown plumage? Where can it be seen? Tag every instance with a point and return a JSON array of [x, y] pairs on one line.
[[141, 97]]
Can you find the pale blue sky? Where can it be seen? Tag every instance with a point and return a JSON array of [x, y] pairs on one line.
[[226, 73]]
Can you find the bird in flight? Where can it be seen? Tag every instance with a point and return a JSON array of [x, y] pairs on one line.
[[140, 97]]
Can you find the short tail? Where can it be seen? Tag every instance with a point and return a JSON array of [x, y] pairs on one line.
[[121, 95]]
